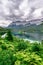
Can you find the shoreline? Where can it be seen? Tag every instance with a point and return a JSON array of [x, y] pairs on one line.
[[31, 40]]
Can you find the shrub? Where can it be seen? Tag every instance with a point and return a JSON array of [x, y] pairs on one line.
[[21, 46], [27, 59], [4, 47], [36, 48], [5, 58], [20, 52], [0, 42]]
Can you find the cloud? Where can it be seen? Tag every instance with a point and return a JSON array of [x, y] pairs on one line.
[[21, 9], [16, 12], [37, 13], [5, 23], [25, 9]]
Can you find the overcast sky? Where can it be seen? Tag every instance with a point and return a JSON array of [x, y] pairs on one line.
[[21, 9]]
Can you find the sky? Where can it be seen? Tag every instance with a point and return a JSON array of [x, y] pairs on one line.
[[21, 9]]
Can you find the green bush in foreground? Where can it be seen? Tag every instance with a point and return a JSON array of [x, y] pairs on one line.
[[20, 52], [27, 59], [21, 46], [36, 48]]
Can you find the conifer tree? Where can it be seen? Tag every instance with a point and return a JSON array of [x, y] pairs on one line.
[[9, 36]]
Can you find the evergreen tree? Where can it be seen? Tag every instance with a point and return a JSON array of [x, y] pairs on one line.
[[9, 36]]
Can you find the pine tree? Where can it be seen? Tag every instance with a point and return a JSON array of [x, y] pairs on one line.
[[9, 36]]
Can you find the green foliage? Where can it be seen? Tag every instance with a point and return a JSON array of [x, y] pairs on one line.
[[36, 47], [21, 46], [9, 36], [42, 42], [20, 52], [24, 58], [3, 47]]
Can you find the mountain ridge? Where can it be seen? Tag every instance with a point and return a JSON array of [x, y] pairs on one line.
[[7, 23]]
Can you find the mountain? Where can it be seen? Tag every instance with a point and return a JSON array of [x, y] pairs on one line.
[[23, 23], [8, 23], [33, 28], [27, 26]]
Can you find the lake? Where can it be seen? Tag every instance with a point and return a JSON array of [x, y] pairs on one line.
[[30, 36]]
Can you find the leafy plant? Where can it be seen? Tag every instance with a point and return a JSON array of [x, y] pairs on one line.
[[20, 52], [36, 47], [21, 46]]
